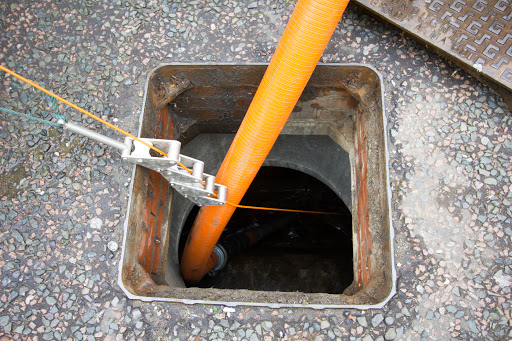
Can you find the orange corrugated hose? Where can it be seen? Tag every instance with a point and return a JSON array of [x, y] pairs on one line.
[[302, 44]]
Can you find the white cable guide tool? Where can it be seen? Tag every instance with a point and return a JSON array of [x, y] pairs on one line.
[[199, 187]]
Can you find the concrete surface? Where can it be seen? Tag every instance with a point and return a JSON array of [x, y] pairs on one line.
[[64, 198]]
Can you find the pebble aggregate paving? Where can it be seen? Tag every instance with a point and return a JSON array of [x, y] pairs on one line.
[[63, 198]]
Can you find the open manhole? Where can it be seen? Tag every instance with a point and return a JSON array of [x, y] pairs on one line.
[[330, 156]]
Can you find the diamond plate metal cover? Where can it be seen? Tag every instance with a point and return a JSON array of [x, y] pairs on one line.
[[476, 33]]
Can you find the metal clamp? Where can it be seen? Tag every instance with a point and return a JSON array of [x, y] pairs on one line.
[[136, 152], [200, 188], [208, 195]]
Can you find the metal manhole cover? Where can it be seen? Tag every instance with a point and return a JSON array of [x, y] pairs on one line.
[[476, 33]]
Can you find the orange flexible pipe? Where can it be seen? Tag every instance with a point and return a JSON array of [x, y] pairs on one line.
[[302, 44]]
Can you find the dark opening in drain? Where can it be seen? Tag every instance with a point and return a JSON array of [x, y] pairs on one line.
[[309, 253]]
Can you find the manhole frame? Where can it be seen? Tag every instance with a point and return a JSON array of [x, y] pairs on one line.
[[388, 250]]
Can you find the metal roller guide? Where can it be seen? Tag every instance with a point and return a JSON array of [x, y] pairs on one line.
[[200, 188]]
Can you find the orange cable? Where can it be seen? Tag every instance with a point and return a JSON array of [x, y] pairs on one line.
[[280, 209], [40, 88]]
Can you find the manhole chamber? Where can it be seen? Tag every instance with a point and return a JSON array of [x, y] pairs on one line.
[[335, 136]]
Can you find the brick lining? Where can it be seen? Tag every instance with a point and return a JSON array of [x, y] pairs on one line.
[[362, 228], [150, 250]]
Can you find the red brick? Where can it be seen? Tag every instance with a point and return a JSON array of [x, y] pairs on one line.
[[163, 191], [345, 103], [243, 103], [142, 247], [156, 259], [149, 244], [164, 117], [144, 234], [147, 212], [170, 129], [154, 181], [204, 90], [160, 220]]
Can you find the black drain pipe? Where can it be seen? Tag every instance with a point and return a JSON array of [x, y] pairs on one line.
[[235, 243]]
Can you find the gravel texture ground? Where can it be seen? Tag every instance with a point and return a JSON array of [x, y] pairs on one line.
[[63, 199]]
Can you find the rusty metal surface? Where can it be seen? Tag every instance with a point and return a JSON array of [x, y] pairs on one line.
[[475, 33]]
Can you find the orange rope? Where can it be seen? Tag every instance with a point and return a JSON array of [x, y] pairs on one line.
[[40, 88], [280, 209]]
